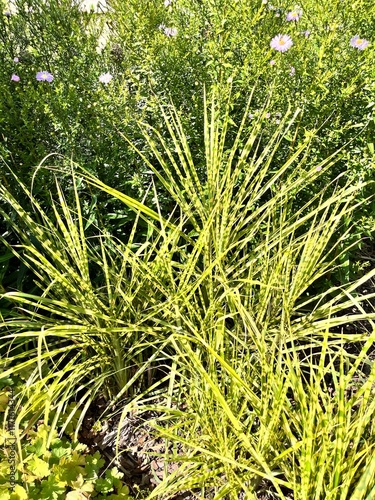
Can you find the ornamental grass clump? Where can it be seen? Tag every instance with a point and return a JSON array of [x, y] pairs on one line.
[[208, 320]]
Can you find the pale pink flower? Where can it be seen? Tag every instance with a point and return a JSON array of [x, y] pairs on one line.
[[359, 43], [294, 15], [282, 43], [105, 78], [170, 31]]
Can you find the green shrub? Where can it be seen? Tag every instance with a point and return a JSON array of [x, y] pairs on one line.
[[48, 466], [62, 470], [79, 116]]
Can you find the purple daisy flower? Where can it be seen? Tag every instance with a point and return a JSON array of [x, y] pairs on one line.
[[15, 78], [282, 43], [16, 60], [359, 43], [44, 76], [272, 62], [105, 78], [294, 15]]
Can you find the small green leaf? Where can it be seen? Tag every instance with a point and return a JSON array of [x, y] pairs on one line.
[[4, 495], [75, 495], [69, 468], [123, 492], [80, 485], [37, 448], [4, 399], [115, 473], [6, 382], [115, 476], [60, 448], [19, 493], [104, 485], [38, 467], [78, 482], [93, 464], [51, 488]]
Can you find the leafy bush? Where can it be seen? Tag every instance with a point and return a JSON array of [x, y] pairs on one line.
[[155, 52], [49, 467], [61, 471]]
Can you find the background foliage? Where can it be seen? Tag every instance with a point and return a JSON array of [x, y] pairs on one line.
[[77, 116], [215, 40]]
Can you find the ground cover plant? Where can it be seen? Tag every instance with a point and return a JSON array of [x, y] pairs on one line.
[[185, 190]]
